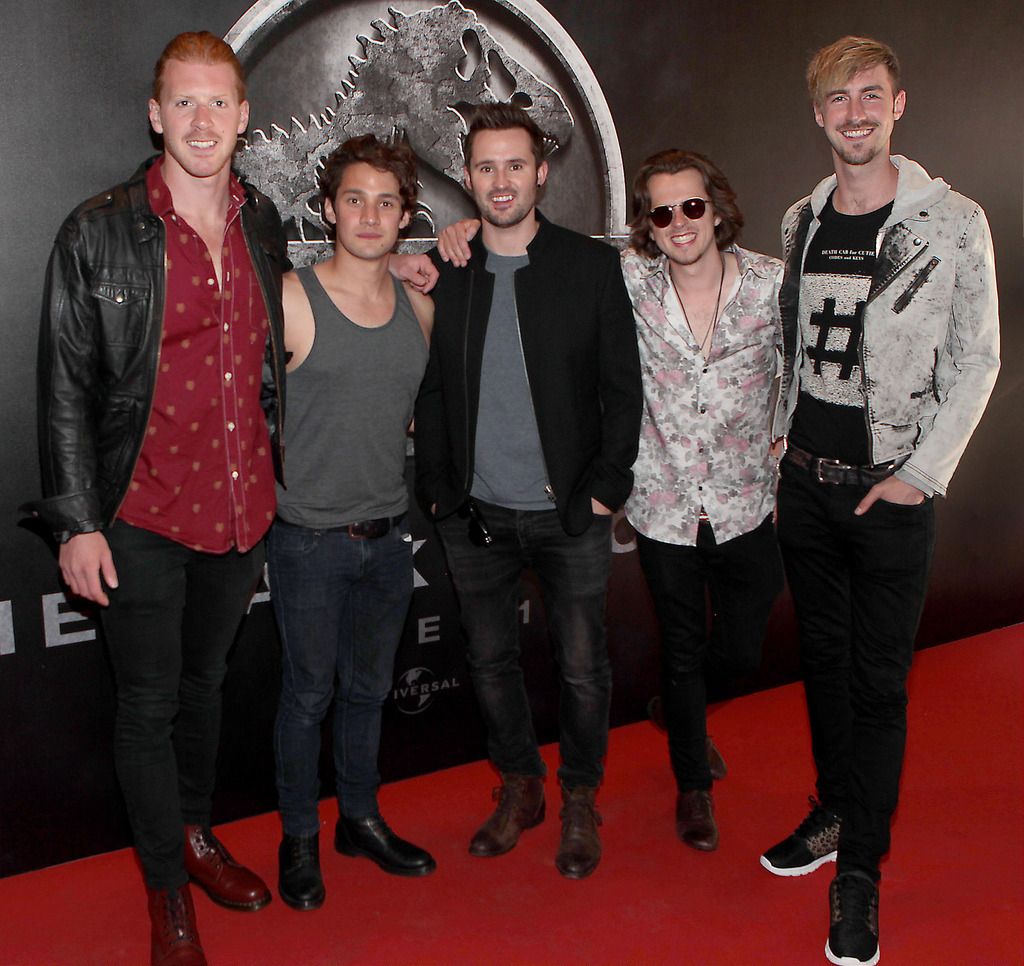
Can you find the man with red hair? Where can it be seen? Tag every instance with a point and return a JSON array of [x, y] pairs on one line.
[[161, 370]]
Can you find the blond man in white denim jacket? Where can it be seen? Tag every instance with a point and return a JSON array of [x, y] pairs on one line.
[[891, 349]]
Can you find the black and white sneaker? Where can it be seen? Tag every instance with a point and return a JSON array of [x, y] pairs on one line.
[[853, 929], [812, 845]]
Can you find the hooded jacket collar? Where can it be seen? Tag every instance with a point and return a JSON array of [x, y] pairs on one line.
[[916, 191]]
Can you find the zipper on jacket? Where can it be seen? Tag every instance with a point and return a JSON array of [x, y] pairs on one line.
[[549, 490], [465, 378], [922, 276]]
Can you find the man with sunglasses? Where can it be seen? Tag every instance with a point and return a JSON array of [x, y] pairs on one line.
[[709, 337], [891, 351], [708, 327], [526, 429]]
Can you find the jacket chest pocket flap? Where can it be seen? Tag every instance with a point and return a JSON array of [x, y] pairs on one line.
[[123, 310]]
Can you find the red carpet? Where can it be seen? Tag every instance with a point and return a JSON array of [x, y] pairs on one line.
[[953, 889]]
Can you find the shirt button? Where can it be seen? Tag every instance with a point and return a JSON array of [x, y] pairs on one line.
[[225, 327], [227, 377], [210, 281], [234, 474], [231, 427]]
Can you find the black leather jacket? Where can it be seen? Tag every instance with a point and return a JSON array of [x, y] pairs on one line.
[[99, 347]]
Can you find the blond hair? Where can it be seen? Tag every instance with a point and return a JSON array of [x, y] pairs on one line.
[[833, 66]]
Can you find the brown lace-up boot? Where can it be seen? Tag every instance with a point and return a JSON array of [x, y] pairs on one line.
[[520, 801], [580, 848]]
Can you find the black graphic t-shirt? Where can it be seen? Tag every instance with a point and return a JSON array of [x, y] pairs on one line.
[[830, 419]]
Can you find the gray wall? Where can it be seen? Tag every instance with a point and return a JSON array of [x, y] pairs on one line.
[[725, 79]]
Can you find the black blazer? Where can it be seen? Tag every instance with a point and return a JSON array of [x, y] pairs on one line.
[[579, 343]]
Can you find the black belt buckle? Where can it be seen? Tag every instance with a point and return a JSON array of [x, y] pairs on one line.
[[477, 531]]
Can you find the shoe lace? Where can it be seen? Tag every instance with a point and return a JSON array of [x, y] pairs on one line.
[[818, 819], [303, 849], [176, 920], [579, 811], [207, 842], [854, 898], [508, 794]]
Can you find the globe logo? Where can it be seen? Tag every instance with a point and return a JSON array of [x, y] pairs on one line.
[[415, 690]]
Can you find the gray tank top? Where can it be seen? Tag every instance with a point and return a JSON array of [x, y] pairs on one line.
[[349, 406]]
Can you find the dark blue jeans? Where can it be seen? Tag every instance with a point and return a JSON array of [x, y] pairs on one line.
[[169, 627], [742, 576], [573, 574], [340, 604], [858, 585]]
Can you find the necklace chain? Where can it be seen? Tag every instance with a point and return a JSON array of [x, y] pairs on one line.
[[704, 344]]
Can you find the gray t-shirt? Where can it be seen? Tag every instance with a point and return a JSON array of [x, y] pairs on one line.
[[509, 468]]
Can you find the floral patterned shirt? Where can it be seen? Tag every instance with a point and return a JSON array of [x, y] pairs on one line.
[[705, 436]]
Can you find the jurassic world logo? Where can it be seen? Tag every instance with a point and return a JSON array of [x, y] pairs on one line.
[[322, 71]]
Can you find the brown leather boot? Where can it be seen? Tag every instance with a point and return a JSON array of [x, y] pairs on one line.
[[695, 820], [656, 712], [175, 939], [716, 763], [520, 801], [210, 865], [580, 848]]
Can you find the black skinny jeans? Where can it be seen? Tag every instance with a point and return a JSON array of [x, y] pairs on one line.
[[169, 627], [858, 585], [573, 573], [742, 576]]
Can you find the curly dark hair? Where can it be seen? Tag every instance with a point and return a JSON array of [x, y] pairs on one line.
[[672, 161], [396, 158]]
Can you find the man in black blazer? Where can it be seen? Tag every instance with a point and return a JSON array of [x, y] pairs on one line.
[[526, 428]]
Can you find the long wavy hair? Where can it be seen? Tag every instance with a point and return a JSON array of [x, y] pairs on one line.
[[672, 161]]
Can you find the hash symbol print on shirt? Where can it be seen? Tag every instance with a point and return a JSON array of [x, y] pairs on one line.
[[826, 321]]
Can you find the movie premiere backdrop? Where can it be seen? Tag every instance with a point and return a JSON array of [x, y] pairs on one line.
[[615, 80]]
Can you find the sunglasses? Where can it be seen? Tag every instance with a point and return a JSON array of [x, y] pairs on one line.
[[693, 208], [478, 533]]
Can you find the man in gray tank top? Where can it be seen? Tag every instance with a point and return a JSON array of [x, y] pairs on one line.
[[526, 429], [340, 551]]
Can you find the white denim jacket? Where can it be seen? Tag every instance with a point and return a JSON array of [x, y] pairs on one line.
[[930, 349]]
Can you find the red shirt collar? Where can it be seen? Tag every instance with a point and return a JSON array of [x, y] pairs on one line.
[[162, 203]]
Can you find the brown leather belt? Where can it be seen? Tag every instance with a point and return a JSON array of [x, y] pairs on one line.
[[371, 529], [833, 471]]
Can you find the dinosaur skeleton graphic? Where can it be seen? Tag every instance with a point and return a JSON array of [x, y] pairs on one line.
[[417, 78]]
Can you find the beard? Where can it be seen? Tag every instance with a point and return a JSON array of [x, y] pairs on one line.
[[519, 210], [855, 153]]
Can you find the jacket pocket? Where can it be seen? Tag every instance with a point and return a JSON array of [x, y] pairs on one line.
[[122, 309], [919, 279]]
